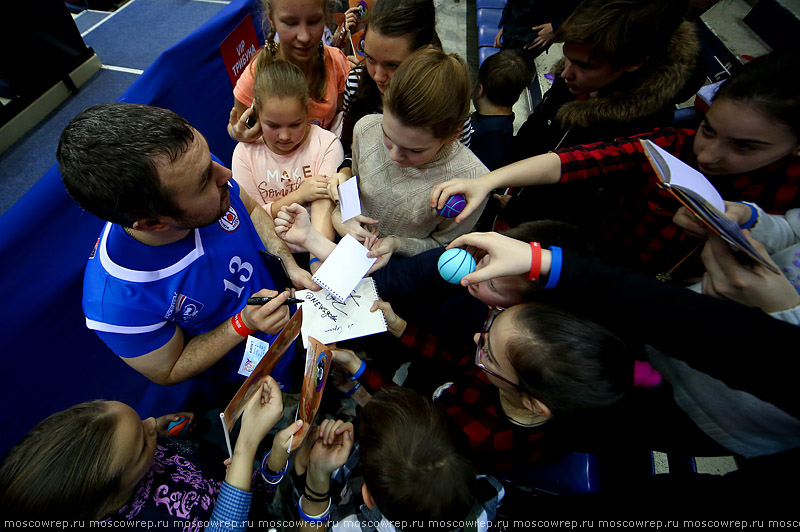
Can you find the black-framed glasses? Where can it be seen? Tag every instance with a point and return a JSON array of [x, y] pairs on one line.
[[483, 347]]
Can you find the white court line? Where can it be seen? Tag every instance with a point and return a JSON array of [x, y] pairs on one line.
[[107, 18], [226, 2], [122, 69]]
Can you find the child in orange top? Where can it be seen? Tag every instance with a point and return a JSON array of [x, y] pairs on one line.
[[298, 26], [292, 160]]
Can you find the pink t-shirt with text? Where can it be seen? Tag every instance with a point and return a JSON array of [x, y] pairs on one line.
[[267, 176]]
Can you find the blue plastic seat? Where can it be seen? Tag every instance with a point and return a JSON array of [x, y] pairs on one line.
[[491, 4], [575, 473], [486, 35], [489, 18], [484, 52]]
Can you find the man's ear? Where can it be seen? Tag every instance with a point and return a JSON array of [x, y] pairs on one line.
[[368, 500], [478, 91], [536, 406]]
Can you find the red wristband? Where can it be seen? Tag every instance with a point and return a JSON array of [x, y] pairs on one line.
[[536, 261], [240, 327]]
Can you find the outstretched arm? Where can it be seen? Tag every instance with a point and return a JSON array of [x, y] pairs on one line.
[[265, 228], [540, 170]]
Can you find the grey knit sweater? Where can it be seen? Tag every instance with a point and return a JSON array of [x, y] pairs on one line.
[[399, 197]]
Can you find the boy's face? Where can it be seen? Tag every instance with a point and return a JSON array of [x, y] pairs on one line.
[[501, 291], [584, 73]]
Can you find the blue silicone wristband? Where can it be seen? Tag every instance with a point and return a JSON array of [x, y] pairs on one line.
[[313, 260], [352, 390], [276, 477], [753, 217], [359, 371], [555, 268]]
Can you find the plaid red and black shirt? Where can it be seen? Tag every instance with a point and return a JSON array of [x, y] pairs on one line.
[[423, 347], [640, 233], [497, 445]]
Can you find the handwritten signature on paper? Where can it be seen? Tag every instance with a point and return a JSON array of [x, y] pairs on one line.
[[324, 312], [336, 304]]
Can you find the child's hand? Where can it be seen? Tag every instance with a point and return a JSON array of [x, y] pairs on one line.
[[346, 359], [498, 39], [293, 224], [473, 190], [394, 323], [359, 226], [381, 249], [544, 38], [162, 423], [756, 286], [333, 447], [238, 126], [506, 256], [351, 18], [313, 188], [280, 446], [263, 410], [333, 184]]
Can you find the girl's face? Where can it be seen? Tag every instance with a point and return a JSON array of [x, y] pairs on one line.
[[501, 291], [409, 146], [384, 54], [284, 123], [134, 444], [735, 138], [299, 25], [494, 354]]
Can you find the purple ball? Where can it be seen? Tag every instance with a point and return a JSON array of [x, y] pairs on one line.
[[453, 207]]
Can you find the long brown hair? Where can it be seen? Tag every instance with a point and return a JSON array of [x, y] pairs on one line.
[[317, 83], [63, 467], [414, 21], [430, 90]]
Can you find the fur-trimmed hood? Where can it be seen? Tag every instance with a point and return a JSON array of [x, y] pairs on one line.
[[650, 93]]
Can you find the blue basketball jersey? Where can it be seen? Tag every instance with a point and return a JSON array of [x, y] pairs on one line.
[[134, 295]]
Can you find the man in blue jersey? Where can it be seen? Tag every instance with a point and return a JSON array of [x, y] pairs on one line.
[[166, 285]]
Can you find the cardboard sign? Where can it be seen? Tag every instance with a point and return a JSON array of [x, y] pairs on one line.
[[239, 47], [318, 366], [264, 368]]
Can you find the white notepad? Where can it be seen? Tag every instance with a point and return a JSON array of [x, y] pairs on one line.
[[344, 268], [329, 321]]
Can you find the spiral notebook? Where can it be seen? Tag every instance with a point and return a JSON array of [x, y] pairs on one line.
[[330, 321], [344, 268]]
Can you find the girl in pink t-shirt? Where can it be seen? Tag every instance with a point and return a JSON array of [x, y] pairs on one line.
[[292, 160]]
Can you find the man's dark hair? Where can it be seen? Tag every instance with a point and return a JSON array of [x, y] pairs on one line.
[[109, 156], [503, 77]]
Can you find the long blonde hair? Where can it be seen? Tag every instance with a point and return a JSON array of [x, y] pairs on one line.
[[431, 90], [317, 82]]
